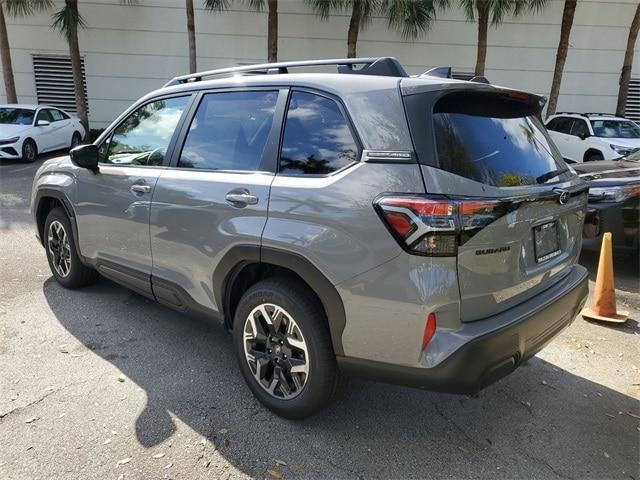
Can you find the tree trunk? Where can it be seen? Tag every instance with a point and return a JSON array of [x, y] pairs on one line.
[[625, 75], [191, 36], [483, 27], [561, 54], [76, 66], [7, 66], [272, 34], [354, 29]]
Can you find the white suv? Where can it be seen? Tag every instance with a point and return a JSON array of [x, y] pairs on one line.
[[583, 137]]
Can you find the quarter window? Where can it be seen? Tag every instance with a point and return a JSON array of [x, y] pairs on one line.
[[561, 125], [580, 129], [229, 131], [143, 138], [317, 138]]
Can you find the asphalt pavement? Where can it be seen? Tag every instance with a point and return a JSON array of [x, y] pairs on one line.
[[101, 383]]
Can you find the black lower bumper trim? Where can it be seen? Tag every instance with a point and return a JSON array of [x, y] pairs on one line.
[[488, 358]]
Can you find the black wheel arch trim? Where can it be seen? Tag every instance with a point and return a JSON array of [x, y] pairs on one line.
[[241, 255], [43, 193]]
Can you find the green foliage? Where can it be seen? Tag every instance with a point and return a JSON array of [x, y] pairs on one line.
[[498, 9], [22, 8], [217, 6], [67, 21]]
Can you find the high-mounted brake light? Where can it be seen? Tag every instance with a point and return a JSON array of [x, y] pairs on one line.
[[436, 225]]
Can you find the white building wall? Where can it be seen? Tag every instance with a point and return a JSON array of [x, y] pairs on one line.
[[130, 50]]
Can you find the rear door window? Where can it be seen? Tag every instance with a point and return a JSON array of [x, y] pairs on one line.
[[561, 125], [493, 139], [317, 138]]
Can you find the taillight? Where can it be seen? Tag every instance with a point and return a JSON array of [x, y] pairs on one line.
[[436, 225]]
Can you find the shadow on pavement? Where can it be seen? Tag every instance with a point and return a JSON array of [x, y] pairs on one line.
[[515, 429]]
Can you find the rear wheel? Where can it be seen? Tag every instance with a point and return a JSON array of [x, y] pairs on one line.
[[284, 348], [29, 151], [60, 245], [75, 140]]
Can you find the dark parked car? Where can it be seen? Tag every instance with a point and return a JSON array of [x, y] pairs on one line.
[[614, 203]]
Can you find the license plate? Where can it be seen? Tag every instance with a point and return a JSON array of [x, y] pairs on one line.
[[546, 241]]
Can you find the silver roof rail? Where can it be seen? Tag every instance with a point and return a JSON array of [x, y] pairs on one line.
[[383, 66]]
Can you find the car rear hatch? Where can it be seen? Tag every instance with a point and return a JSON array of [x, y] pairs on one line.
[[518, 209]]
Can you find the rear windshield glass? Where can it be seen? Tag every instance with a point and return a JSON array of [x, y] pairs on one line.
[[615, 129], [494, 139]]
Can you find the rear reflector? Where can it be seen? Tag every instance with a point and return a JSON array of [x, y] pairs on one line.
[[436, 225], [429, 330]]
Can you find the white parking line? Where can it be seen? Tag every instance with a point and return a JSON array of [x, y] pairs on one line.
[[21, 169]]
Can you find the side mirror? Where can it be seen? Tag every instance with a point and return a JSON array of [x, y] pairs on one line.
[[43, 123], [85, 156], [584, 136]]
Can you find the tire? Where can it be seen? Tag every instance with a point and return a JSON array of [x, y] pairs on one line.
[[594, 156], [29, 151], [310, 388], [62, 256], [75, 140]]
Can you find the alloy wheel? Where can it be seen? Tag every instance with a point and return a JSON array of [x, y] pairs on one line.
[[276, 351], [59, 248], [29, 151]]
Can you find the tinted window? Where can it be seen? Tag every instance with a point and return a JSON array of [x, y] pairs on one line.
[[580, 128], [561, 124], [317, 138], [44, 115], [229, 131], [493, 140], [16, 116], [143, 138], [615, 129]]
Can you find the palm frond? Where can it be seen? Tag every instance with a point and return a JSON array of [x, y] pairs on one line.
[[412, 17], [323, 8], [257, 5], [217, 6], [67, 21], [22, 8]]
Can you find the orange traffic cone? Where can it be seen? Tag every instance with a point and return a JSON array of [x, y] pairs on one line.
[[604, 298]]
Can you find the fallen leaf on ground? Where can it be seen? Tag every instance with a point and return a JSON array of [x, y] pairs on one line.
[[158, 455], [222, 431], [463, 450], [107, 441], [606, 455], [121, 378], [282, 463], [168, 465], [124, 461], [633, 415], [274, 473], [31, 420]]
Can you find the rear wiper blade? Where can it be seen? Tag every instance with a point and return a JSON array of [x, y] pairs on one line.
[[549, 175]]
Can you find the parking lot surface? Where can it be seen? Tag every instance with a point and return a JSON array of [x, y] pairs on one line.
[[102, 383]]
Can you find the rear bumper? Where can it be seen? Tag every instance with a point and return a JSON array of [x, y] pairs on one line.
[[485, 359]]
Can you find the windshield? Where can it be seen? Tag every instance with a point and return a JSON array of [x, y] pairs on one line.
[[633, 157], [16, 116], [494, 140], [615, 129]]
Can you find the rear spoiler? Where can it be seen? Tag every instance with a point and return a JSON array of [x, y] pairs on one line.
[[447, 72]]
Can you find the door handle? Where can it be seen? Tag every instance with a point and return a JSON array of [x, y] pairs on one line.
[[137, 188], [240, 198]]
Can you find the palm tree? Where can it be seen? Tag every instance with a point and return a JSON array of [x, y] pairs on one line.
[[494, 11], [191, 37], [258, 5], [411, 17], [561, 54], [625, 74], [67, 21], [15, 8]]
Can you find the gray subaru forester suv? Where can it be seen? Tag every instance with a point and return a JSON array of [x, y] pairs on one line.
[[415, 230]]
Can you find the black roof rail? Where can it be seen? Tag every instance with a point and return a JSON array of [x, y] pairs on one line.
[[441, 72], [382, 66]]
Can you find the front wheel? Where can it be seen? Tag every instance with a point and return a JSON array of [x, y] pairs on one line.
[[284, 348], [63, 260], [29, 151]]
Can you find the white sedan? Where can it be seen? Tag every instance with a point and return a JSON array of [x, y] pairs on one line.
[[28, 130]]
